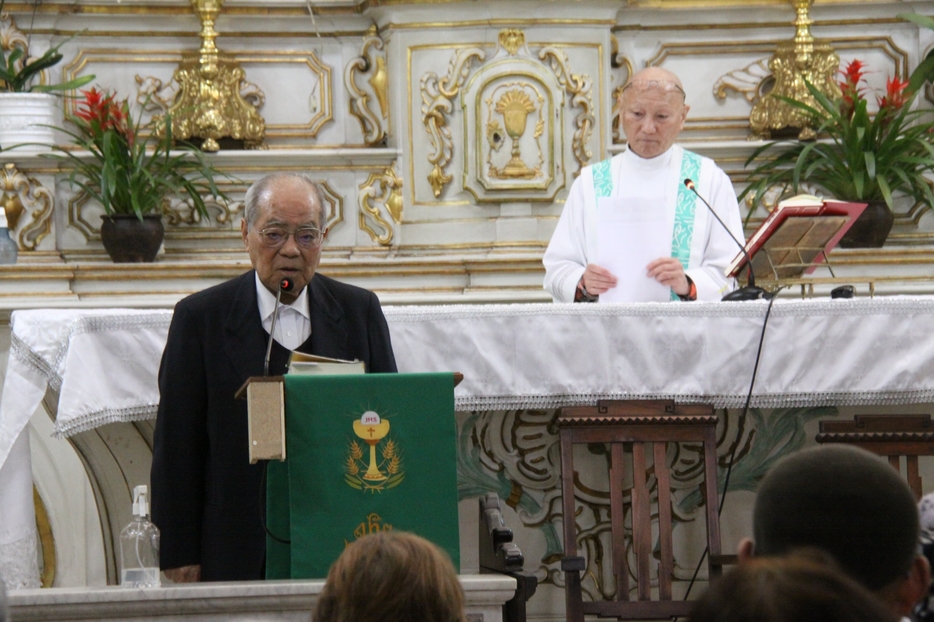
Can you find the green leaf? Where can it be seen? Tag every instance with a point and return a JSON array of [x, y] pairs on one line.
[[71, 85], [923, 73]]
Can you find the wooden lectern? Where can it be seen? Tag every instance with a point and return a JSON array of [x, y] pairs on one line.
[[265, 396]]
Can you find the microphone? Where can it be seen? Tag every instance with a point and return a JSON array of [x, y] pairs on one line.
[[285, 285], [750, 291]]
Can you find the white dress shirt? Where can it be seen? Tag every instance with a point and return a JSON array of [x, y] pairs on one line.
[[293, 327]]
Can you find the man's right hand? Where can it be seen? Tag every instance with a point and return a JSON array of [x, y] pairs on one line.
[[185, 574], [597, 280]]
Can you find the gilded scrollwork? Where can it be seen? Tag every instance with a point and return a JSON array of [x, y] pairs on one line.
[[25, 196], [372, 60], [512, 40], [11, 36], [578, 86], [622, 70], [752, 81], [437, 96], [381, 190]]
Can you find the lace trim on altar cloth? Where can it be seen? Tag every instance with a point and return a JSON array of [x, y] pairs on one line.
[[26, 356], [89, 421], [756, 308], [785, 400], [18, 567], [132, 320]]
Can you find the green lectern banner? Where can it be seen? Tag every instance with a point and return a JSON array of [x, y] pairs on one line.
[[365, 453]]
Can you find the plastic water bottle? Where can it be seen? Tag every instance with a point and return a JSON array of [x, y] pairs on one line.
[[139, 546], [8, 248]]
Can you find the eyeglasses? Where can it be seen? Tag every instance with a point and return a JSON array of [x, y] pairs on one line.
[[305, 237]]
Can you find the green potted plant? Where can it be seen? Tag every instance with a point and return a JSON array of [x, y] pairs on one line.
[[131, 173], [28, 109], [858, 157]]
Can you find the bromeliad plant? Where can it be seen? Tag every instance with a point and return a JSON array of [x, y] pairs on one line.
[[858, 156], [129, 172]]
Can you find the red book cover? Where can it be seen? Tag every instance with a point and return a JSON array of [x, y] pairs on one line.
[[799, 206]]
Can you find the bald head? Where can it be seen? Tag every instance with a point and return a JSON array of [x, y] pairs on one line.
[[653, 111], [657, 79]]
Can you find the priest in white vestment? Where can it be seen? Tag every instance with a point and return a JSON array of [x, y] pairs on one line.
[[647, 181]]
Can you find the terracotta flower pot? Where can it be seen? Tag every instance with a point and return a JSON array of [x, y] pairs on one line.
[[127, 239], [871, 228]]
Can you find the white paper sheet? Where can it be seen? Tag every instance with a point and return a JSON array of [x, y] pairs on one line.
[[627, 241]]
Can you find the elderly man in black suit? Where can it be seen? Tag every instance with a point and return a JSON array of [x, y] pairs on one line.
[[206, 496]]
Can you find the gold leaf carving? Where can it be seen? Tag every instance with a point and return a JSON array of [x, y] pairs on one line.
[[511, 39], [209, 105], [24, 195], [578, 86], [747, 81], [794, 63], [437, 94], [371, 59], [381, 189]]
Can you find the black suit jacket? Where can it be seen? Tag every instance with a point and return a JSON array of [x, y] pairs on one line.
[[206, 496]]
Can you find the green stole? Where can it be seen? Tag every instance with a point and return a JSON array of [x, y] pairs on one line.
[[685, 204]]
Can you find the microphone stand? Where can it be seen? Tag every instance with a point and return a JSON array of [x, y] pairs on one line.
[[750, 291], [285, 285]]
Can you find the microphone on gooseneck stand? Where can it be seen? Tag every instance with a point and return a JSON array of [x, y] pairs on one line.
[[750, 291], [285, 285]]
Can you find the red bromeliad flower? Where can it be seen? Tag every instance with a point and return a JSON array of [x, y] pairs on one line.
[[896, 94], [852, 76], [102, 113]]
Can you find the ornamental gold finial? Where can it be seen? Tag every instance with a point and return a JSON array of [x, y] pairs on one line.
[[794, 64], [209, 105]]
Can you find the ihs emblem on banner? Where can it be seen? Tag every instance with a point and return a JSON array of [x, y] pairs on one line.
[[383, 470]]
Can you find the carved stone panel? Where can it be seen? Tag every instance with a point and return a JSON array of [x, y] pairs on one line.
[[512, 133]]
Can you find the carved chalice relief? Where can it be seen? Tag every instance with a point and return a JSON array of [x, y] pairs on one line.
[[515, 106], [372, 430]]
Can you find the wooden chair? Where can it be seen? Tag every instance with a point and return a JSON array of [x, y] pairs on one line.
[[892, 436], [640, 423]]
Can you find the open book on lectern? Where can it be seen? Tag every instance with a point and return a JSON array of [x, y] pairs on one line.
[[796, 237]]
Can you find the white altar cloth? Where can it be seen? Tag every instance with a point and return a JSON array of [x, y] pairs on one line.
[[103, 363]]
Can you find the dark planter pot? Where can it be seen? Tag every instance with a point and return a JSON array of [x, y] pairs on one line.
[[127, 239], [871, 228]]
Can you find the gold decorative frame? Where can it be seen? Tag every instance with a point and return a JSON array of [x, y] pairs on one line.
[[438, 92], [165, 92]]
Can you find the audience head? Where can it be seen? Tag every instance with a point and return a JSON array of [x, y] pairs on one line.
[[391, 577], [801, 587], [4, 612], [653, 111], [283, 229], [851, 504]]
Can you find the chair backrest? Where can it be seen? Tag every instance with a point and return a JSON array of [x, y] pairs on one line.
[[648, 426], [891, 436]]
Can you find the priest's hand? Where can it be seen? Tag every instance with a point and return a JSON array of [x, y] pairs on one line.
[[669, 272], [597, 280], [185, 574]]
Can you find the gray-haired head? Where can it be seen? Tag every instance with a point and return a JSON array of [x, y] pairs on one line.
[[256, 195]]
